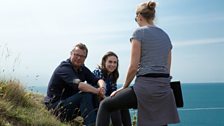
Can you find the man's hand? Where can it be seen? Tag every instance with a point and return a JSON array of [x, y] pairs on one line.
[[101, 93]]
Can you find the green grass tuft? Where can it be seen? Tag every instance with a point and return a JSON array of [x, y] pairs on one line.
[[21, 108]]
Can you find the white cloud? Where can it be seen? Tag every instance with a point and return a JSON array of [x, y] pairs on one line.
[[41, 33], [191, 19], [198, 42]]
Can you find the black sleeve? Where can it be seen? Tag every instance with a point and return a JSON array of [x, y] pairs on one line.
[[67, 74], [90, 77]]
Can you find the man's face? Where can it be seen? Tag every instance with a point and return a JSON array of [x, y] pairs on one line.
[[78, 57]]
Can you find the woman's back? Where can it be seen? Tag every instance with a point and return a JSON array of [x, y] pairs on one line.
[[155, 47]]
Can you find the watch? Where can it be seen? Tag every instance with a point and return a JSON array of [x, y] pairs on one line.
[[76, 81]]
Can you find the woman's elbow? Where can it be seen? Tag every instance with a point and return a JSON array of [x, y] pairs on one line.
[[133, 68]]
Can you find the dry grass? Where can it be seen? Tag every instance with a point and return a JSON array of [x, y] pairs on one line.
[[20, 108], [17, 106]]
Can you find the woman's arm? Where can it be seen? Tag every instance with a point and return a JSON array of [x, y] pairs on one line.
[[133, 67], [169, 61], [135, 60]]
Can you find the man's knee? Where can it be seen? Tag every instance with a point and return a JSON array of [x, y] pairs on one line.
[[86, 95]]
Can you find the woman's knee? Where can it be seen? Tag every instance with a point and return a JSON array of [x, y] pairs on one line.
[[106, 104]]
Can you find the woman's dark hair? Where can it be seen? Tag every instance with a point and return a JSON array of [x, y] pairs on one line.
[[115, 73]]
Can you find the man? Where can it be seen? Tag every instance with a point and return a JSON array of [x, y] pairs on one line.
[[71, 87]]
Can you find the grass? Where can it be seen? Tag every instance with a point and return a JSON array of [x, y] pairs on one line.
[[21, 108]]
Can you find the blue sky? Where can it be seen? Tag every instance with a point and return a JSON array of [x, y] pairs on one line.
[[36, 35]]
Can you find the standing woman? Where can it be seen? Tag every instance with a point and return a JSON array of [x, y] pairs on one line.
[[150, 63], [108, 71]]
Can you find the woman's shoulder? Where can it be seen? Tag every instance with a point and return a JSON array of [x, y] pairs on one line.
[[97, 70], [139, 29], [98, 73], [143, 29]]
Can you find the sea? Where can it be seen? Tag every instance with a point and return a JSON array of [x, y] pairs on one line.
[[203, 104]]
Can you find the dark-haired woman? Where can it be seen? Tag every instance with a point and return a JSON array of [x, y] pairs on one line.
[[108, 71]]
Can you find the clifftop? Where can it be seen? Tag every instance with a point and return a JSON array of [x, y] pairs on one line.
[[21, 108]]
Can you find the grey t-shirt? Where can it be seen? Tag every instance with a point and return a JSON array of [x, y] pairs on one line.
[[155, 47]]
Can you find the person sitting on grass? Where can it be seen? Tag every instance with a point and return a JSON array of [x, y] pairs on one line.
[[71, 87], [108, 71]]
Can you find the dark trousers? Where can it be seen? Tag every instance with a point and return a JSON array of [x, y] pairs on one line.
[[77, 104], [121, 118], [123, 100], [118, 118]]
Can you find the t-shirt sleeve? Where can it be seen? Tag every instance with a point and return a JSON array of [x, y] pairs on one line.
[[137, 34], [90, 77]]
